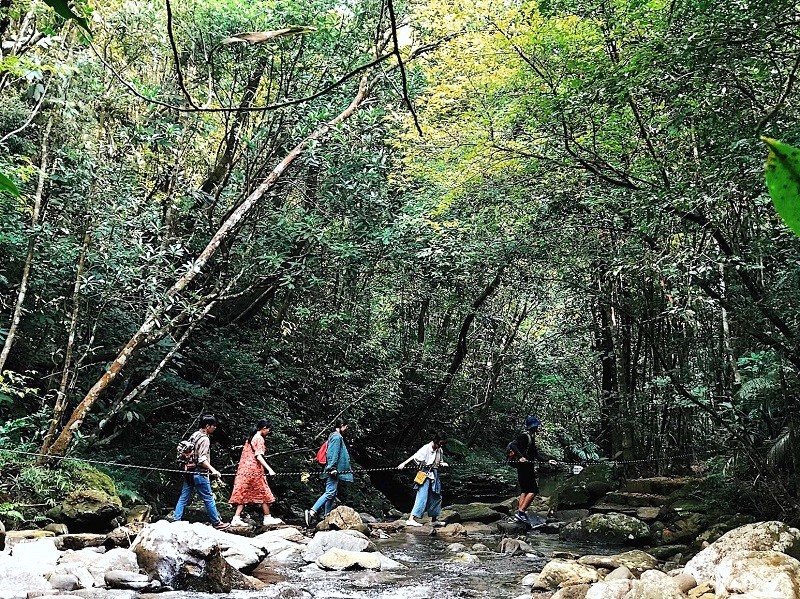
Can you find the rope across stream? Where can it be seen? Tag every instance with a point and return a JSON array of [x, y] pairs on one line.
[[309, 472]]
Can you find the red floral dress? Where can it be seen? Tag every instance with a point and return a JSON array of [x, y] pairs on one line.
[[250, 485]]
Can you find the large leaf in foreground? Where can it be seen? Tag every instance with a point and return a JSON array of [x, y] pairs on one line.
[[63, 10], [783, 181], [8, 185]]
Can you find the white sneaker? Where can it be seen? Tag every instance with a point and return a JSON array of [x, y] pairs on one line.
[[271, 521], [236, 521], [411, 522]]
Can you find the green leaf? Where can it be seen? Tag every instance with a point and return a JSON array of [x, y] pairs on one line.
[[62, 9], [8, 185], [783, 181]]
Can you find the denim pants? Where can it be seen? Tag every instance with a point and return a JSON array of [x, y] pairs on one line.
[[427, 501], [326, 499], [202, 485]]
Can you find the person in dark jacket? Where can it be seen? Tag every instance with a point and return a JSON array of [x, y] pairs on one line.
[[526, 454], [337, 468]]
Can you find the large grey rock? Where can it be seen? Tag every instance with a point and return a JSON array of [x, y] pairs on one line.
[[761, 573], [57, 528], [122, 579], [608, 528], [583, 489], [347, 540], [39, 555], [560, 572], [510, 546], [79, 540], [343, 518], [87, 511], [21, 577], [64, 582], [97, 564], [475, 512], [186, 557], [615, 589], [281, 544], [636, 561], [341, 559], [761, 536]]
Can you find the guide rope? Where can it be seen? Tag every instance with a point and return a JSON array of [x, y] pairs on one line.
[[309, 472]]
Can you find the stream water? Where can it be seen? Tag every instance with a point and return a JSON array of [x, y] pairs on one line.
[[432, 572]]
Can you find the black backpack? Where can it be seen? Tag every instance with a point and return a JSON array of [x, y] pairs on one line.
[[512, 451]]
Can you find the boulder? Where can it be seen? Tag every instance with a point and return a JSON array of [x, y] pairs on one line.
[[456, 547], [615, 589], [122, 579], [57, 528], [583, 489], [87, 511], [281, 544], [684, 529], [17, 536], [138, 513], [530, 579], [512, 527], [570, 515], [664, 552], [343, 518], [341, 559], [480, 548], [186, 557], [761, 536], [654, 584], [577, 591], [122, 536], [20, 577], [64, 582], [512, 547], [79, 541], [621, 573], [454, 530], [348, 540], [761, 573], [685, 582], [636, 561], [475, 512], [560, 572], [39, 555], [608, 528]]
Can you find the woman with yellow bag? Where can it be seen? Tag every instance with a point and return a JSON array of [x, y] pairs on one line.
[[426, 481]]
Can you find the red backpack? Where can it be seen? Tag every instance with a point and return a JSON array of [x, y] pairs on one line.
[[322, 454]]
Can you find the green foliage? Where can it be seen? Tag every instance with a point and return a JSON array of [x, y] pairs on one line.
[[8, 186], [783, 181], [64, 10]]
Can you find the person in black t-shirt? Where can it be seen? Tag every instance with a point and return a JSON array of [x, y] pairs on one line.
[[526, 454]]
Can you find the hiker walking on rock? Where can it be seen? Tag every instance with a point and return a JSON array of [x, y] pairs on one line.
[[337, 468], [250, 484], [198, 475], [427, 482], [523, 454]]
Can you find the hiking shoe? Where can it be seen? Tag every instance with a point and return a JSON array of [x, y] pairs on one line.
[[437, 523], [310, 518], [522, 517], [411, 522], [271, 521], [236, 521], [222, 525]]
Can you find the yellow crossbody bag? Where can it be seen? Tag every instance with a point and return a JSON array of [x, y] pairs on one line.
[[420, 477]]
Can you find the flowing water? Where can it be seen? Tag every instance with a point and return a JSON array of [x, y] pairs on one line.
[[432, 572]]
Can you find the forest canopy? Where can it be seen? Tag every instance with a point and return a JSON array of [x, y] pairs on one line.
[[427, 215]]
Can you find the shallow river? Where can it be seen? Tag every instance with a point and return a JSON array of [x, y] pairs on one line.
[[431, 573]]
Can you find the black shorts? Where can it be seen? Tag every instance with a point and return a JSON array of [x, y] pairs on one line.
[[527, 478]]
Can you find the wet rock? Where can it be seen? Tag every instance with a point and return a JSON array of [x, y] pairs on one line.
[[57, 528], [608, 528], [648, 514], [530, 579], [341, 559], [666, 551], [761, 536], [87, 511], [569, 516], [512, 527], [475, 512], [122, 579], [90, 566], [480, 548], [577, 591], [79, 541], [448, 516], [466, 558], [762, 573], [559, 572], [64, 582], [367, 518], [685, 529], [281, 544], [266, 573], [122, 536], [636, 561], [185, 556], [347, 540], [456, 547], [514, 547]]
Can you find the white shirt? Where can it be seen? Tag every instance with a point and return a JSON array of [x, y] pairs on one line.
[[428, 456]]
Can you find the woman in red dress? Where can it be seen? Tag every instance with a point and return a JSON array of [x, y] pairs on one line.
[[250, 485]]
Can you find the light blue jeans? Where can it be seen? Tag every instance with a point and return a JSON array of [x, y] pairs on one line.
[[427, 501], [326, 499], [202, 485]]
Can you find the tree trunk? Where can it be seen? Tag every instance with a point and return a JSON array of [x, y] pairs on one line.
[[230, 224], [16, 316]]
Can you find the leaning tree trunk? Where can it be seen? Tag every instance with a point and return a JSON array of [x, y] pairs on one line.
[[227, 228], [26, 271]]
